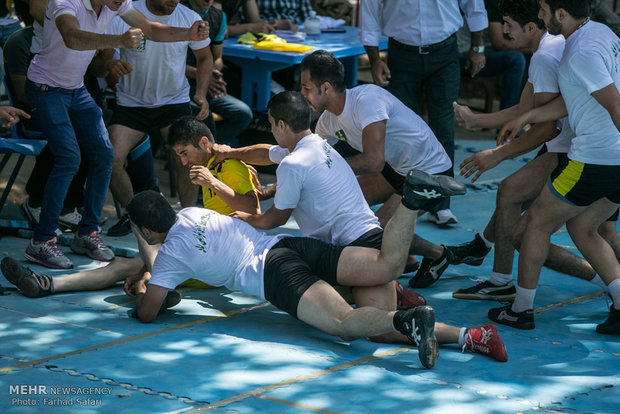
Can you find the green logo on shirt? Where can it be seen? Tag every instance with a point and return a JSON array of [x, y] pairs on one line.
[[341, 135], [200, 232], [327, 149]]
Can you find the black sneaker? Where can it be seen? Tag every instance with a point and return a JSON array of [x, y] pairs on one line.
[[420, 329], [420, 188], [32, 285], [431, 270], [487, 291], [612, 324], [505, 315], [121, 228], [471, 253]]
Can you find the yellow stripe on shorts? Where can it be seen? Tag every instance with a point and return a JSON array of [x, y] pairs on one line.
[[567, 179]]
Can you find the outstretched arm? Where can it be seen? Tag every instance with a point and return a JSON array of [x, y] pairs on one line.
[[254, 154], [161, 33], [270, 219]]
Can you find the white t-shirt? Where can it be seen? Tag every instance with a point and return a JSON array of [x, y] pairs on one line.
[[590, 63], [543, 75], [158, 76], [217, 249], [319, 185], [409, 142]]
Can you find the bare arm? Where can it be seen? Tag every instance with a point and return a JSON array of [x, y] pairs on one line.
[[609, 98], [475, 61], [37, 10], [248, 202], [78, 39], [380, 72], [161, 33], [552, 111], [204, 65], [103, 65], [254, 23], [254, 154], [149, 301], [270, 219], [372, 158], [465, 117]]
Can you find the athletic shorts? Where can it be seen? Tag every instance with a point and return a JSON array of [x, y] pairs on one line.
[[293, 265], [372, 239], [141, 119], [582, 184]]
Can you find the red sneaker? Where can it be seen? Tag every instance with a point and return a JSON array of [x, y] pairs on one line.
[[486, 341], [407, 298]]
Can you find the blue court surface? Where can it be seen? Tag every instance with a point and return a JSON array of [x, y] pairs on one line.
[[224, 351]]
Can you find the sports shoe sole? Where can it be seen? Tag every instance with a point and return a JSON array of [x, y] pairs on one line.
[[428, 347], [43, 263], [446, 186], [11, 269]]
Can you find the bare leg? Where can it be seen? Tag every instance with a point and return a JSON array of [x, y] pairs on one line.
[[379, 267], [123, 139], [521, 187], [558, 259], [545, 217], [100, 278], [583, 229], [607, 230]]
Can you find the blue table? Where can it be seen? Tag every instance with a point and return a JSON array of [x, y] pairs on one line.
[[258, 65]]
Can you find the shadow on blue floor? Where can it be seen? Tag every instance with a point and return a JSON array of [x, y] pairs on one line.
[[222, 350]]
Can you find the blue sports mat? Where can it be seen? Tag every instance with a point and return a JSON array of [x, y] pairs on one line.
[[224, 351]]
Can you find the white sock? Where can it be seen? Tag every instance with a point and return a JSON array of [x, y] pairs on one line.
[[599, 282], [524, 299], [462, 337], [499, 279], [486, 242], [614, 291]]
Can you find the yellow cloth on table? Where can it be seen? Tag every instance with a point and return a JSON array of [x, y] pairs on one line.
[[272, 42]]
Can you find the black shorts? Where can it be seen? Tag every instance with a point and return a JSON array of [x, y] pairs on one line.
[[142, 119], [582, 184], [293, 265], [372, 239]]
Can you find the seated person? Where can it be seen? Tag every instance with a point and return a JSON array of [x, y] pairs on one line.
[[509, 64], [243, 16], [237, 115]]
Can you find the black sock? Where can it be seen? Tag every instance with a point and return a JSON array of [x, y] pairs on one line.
[[402, 323]]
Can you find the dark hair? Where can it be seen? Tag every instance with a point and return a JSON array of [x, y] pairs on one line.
[[292, 108], [151, 210], [324, 67], [188, 130], [522, 11], [578, 9]]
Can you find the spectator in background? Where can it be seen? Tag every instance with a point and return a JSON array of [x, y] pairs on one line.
[[237, 115], [243, 16], [8, 24], [509, 64], [140, 107], [423, 60], [68, 114], [294, 11]]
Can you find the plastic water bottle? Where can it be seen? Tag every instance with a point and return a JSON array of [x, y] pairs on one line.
[[312, 24]]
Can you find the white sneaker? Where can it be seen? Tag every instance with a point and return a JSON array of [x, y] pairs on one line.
[[442, 217], [32, 213], [70, 220]]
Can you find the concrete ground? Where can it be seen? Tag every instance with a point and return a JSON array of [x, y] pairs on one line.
[[224, 351]]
